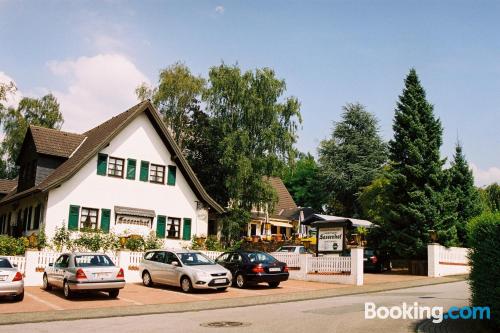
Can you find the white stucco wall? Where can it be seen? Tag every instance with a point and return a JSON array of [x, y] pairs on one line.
[[139, 141]]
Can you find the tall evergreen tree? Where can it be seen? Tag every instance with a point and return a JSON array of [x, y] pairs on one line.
[[350, 159], [416, 181], [461, 185]]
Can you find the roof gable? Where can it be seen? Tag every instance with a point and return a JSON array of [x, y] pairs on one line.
[[100, 136], [285, 205]]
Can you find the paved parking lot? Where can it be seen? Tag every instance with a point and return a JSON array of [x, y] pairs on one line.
[[36, 299]]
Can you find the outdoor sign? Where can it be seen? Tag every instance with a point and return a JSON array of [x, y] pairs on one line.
[[134, 220], [330, 239]]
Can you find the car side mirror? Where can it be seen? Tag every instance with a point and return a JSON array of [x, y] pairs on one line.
[[175, 263], [51, 264]]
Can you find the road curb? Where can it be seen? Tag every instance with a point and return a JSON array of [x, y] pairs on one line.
[[137, 310]]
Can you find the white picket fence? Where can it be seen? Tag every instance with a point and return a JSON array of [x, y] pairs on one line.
[[443, 261], [301, 266]]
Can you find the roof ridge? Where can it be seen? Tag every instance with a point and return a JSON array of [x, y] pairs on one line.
[[53, 129]]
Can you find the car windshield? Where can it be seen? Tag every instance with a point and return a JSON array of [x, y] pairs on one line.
[[194, 259], [90, 260], [5, 263], [286, 249], [260, 257]]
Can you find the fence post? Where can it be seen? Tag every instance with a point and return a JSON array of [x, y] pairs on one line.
[[357, 265], [31, 276], [433, 259], [123, 259]]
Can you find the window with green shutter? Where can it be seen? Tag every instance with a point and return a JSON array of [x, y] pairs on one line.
[[102, 164], [172, 170], [74, 214], [161, 222], [144, 171], [186, 229], [131, 168], [105, 219]]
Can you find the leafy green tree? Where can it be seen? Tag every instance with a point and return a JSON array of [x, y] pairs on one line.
[[350, 159], [304, 182], [490, 197], [417, 187], [42, 111], [461, 185], [257, 130], [177, 93]]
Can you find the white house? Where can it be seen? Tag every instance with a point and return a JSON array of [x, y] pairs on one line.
[[126, 175]]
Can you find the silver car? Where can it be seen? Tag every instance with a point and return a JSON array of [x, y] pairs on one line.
[[11, 280], [79, 272], [186, 269]]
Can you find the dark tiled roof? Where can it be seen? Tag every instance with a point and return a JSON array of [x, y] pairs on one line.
[[98, 137], [54, 142], [7, 185], [285, 205]]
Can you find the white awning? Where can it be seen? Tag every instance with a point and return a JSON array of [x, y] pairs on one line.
[[281, 224]]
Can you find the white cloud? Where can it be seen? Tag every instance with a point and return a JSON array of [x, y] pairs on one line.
[[485, 177], [220, 9], [99, 87], [12, 98]]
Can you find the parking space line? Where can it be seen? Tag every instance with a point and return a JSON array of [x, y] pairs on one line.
[[130, 301], [38, 299]]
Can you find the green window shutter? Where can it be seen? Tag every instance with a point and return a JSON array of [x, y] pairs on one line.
[[105, 218], [144, 171], [161, 226], [74, 214], [186, 229], [131, 169], [172, 170], [102, 164]]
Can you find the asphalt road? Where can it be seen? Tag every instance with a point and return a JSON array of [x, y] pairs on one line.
[[336, 314]]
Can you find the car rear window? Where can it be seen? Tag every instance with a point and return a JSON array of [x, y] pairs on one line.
[[286, 249], [92, 260], [5, 263], [260, 257], [369, 252]]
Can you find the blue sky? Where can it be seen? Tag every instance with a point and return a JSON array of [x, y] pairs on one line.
[[92, 54]]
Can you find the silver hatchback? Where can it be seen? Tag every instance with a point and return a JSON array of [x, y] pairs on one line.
[[11, 280], [186, 269], [78, 272]]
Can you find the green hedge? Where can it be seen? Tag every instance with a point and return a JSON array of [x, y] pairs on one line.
[[484, 239], [10, 246]]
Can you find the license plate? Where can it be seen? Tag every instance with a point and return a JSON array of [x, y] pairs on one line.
[[274, 269], [101, 275], [220, 281], [3, 277]]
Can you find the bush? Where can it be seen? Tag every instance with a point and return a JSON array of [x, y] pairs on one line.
[[213, 244], [484, 240], [152, 242], [135, 243], [62, 239], [89, 241], [10, 246]]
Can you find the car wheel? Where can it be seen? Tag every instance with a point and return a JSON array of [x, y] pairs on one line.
[[114, 293], [67, 292], [274, 284], [222, 289], [146, 279], [240, 281], [20, 297], [46, 285], [186, 285]]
